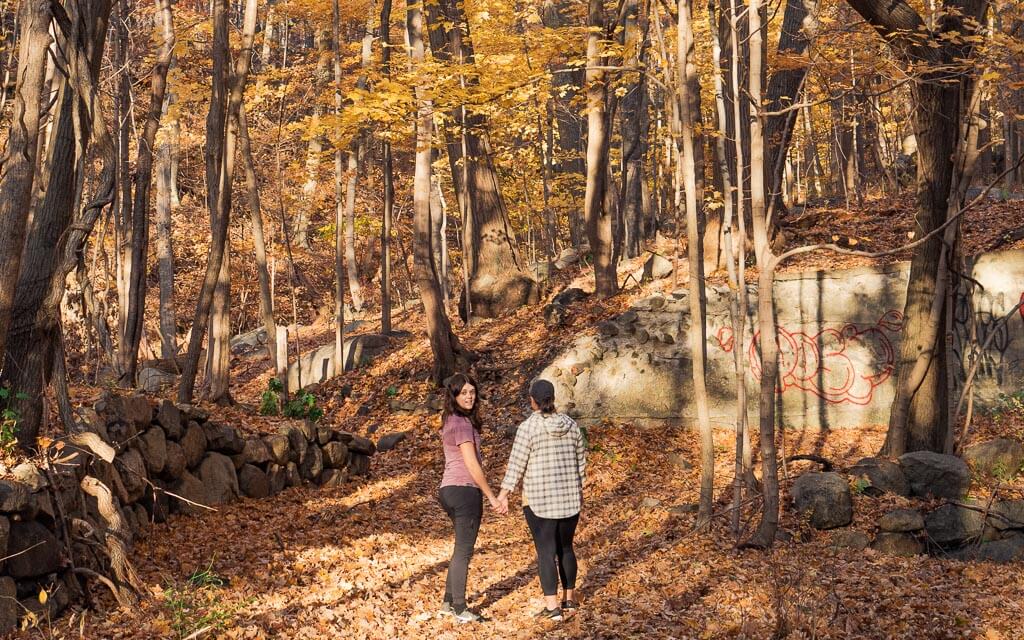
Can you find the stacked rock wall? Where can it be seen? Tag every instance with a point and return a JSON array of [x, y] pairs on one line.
[[839, 336], [154, 461]]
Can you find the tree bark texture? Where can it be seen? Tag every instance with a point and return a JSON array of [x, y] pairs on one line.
[[443, 343], [497, 282], [598, 218], [18, 171], [919, 418], [140, 206]]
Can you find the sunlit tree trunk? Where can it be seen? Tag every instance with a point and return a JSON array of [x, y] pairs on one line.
[[598, 218], [443, 343]]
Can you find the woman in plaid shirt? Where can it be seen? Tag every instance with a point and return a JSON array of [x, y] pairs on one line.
[[550, 456]]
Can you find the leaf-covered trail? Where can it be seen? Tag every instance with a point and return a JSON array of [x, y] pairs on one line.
[[369, 560]]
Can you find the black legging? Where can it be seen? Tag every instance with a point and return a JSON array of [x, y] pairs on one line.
[[465, 506], [553, 539]]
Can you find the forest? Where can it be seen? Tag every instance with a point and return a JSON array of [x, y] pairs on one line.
[[270, 217]]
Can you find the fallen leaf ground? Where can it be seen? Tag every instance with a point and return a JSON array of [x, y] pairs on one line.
[[368, 560]]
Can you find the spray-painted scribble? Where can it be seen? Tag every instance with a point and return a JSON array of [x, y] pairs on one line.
[[838, 365]]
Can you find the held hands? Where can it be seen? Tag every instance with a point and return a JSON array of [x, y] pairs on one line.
[[499, 504]]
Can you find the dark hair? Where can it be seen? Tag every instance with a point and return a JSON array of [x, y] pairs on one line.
[[453, 385], [543, 393]]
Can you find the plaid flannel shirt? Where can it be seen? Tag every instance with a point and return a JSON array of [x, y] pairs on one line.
[[550, 456]]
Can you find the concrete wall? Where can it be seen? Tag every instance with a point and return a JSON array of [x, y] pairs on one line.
[[839, 337]]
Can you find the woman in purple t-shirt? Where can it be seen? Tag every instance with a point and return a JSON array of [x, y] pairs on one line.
[[462, 487]]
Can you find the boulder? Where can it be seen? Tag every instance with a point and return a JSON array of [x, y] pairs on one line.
[[878, 475], [192, 412], [30, 475], [335, 455], [897, 544], [849, 539], [223, 438], [388, 441], [1001, 457], [253, 483], [9, 608], [825, 497], [901, 521], [608, 329], [323, 435], [333, 477], [5, 536], [121, 432], [318, 365], [1000, 551], [567, 257], [291, 474], [1007, 514], [14, 496], [255, 452], [193, 443], [277, 448], [32, 550], [57, 601], [155, 379], [555, 315], [132, 409], [359, 444], [277, 478], [191, 489], [249, 342], [951, 525], [297, 444], [217, 473], [359, 465], [570, 296], [132, 468], [936, 474], [496, 295], [657, 267], [170, 418], [176, 462], [156, 503], [153, 446], [311, 465]]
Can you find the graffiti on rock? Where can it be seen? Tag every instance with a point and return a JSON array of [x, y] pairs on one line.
[[839, 366], [991, 334]]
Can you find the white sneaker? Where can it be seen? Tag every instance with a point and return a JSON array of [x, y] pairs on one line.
[[467, 616]]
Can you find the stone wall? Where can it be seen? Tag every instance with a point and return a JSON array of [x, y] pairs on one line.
[[839, 335], [144, 463]]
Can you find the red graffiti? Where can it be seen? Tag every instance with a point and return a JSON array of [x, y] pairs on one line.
[[820, 363], [1020, 309]]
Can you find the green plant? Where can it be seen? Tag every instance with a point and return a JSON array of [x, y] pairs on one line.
[[303, 405], [269, 403], [9, 418], [1008, 403], [860, 485], [195, 604], [391, 391]]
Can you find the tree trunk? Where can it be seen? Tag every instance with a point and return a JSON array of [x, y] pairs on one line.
[[389, 187], [443, 343], [53, 242], [498, 283], [134, 324], [259, 242], [766, 261], [598, 219], [18, 168], [315, 146], [697, 329], [919, 417], [632, 104], [164, 246], [222, 131]]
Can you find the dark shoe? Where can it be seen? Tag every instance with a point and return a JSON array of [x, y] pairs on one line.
[[569, 605], [548, 614]]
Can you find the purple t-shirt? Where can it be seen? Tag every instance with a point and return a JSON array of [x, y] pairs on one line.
[[457, 430]]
